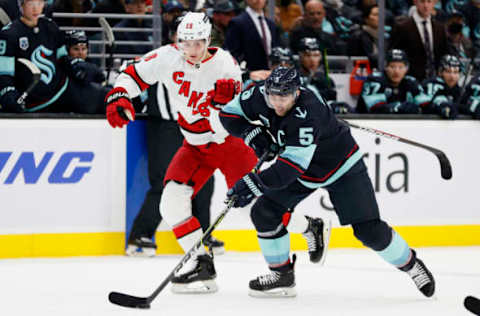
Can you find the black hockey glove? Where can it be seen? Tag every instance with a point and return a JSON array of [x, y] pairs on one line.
[[260, 141], [246, 189], [448, 110], [9, 101], [403, 108], [82, 71], [341, 108]]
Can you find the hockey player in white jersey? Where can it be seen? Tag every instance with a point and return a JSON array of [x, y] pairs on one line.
[[199, 80]]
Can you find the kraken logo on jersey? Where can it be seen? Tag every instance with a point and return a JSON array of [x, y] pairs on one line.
[[45, 65]]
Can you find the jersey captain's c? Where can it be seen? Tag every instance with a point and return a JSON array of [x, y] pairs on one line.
[[316, 147], [187, 85]]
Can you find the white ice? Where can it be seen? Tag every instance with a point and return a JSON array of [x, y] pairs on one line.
[[352, 282]]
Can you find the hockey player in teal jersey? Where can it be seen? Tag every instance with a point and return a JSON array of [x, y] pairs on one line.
[[470, 104], [63, 85], [443, 90], [392, 91], [316, 150]]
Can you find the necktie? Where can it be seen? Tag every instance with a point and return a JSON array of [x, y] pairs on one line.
[[264, 35], [429, 69]]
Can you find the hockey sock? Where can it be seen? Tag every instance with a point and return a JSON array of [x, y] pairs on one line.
[[188, 233], [276, 251], [397, 252]]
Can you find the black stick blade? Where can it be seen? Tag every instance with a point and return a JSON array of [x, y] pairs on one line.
[[472, 304], [445, 167], [126, 300]]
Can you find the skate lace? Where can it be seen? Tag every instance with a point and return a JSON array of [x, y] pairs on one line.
[[419, 275], [310, 237], [269, 278]]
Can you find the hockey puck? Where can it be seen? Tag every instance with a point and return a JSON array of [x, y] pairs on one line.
[[472, 304]]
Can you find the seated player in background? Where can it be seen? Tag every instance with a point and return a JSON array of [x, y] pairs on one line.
[[314, 78], [317, 151], [392, 91], [280, 56], [62, 86], [470, 103], [443, 90], [77, 48]]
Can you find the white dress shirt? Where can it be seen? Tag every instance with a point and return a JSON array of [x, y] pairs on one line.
[[254, 16], [419, 22]]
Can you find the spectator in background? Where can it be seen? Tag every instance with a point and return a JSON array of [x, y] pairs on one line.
[[470, 102], [72, 6], [223, 12], [171, 11], [392, 91], [443, 90], [314, 24], [364, 42], [344, 19], [137, 7], [250, 36], [77, 48], [422, 38], [108, 6], [63, 86], [471, 13], [314, 78], [288, 13], [459, 44]]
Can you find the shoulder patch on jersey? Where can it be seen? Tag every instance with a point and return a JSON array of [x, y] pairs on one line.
[[23, 42], [376, 74], [299, 113]]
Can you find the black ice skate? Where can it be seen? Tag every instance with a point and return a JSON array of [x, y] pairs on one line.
[[317, 236], [199, 279], [419, 273], [275, 284], [214, 245], [141, 247]]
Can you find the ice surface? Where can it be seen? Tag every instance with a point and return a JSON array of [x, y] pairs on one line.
[[352, 282]]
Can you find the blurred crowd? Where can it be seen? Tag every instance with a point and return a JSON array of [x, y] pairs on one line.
[[428, 45]]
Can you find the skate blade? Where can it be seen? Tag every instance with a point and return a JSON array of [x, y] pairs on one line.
[[132, 251], [197, 287], [327, 231], [280, 292]]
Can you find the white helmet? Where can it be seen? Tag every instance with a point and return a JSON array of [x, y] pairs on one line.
[[194, 26]]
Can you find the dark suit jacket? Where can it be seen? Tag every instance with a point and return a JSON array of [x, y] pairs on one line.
[[244, 42], [406, 36]]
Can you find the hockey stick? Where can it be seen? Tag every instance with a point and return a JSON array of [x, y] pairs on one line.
[[472, 304], [445, 167], [110, 41], [126, 300], [4, 18], [36, 73]]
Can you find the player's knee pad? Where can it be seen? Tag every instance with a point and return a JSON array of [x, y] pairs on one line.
[[266, 216], [176, 203], [375, 234]]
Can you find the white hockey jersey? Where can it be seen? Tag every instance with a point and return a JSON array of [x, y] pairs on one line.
[[187, 87]]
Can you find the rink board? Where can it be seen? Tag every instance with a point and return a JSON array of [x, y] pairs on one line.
[[71, 187]]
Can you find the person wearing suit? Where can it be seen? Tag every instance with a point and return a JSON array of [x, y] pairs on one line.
[[423, 39], [250, 36]]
